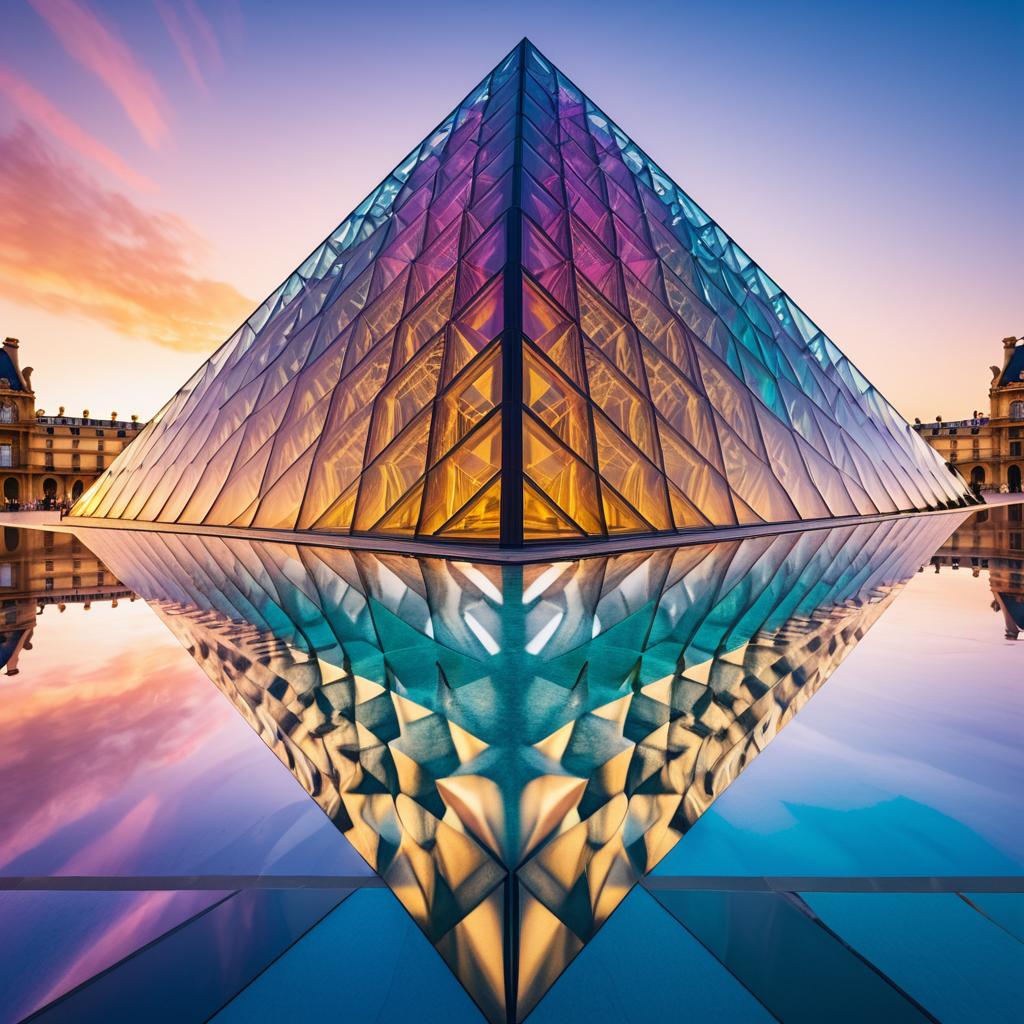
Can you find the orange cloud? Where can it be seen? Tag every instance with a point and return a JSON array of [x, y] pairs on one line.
[[69, 245], [34, 105], [108, 57]]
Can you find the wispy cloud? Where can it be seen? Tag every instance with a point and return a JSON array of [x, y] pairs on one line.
[[41, 112], [69, 245], [98, 49], [205, 31], [182, 42], [194, 38]]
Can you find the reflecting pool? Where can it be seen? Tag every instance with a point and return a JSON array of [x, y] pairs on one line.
[[260, 781]]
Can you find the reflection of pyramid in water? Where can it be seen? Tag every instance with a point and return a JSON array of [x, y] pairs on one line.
[[512, 748], [526, 333]]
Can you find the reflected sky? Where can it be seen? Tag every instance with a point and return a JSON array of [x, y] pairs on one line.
[[119, 757], [908, 762]]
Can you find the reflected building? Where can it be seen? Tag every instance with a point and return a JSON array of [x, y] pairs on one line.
[[992, 541], [513, 746], [40, 568]]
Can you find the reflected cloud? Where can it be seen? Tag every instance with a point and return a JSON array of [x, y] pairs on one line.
[[61, 737], [69, 245], [103, 53]]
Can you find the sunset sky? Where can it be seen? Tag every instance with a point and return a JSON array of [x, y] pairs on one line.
[[164, 164]]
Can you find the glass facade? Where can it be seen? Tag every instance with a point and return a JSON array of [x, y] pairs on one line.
[[527, 333]]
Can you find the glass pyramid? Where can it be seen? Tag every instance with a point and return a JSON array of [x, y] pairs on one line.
[[513, 747], [527, 333]]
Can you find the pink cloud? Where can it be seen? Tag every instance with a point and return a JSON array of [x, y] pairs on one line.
[[34, 105], [204, 30], [182, 42], [99, 50], [68, 245]]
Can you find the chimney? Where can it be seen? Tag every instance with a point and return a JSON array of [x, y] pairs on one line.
[[11, 348], [1009, 344]]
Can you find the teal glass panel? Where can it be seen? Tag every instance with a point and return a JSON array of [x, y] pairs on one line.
[[962, 967]]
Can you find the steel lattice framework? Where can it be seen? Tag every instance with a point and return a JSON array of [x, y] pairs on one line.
[[527, 333]]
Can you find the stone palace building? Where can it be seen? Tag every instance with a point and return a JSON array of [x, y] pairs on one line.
[[988, 450], [50, 459]]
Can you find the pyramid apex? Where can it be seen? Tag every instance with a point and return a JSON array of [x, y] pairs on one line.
[[527, 334]]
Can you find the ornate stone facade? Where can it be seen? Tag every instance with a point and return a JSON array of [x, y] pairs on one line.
[[50, 459], [989, 450]]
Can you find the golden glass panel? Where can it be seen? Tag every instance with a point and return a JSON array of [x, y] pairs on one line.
[[658, 324], [458, 476], [361, 386], [212, 481], [423, 323], [684, 514], [338, 463], [681, 404], [542, 319], [481, 519], [752, 481], [686, 470], [608, 331], [376, 322], [731, 401], [466, 402], [279, 507], [563, 477], [241, 490], [555, 402], [541, 520], [405, 396], [618, 516], [473, 330], [623, 404], [636, 479], [396, 469], [402, 519], [339, 516], [295, 436]]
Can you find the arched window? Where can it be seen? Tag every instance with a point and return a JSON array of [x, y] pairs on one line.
[[1017, 410], [7, 412]]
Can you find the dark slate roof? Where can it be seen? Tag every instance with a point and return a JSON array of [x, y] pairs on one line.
[[7, 370], [1014, 605], [1012, 373], [9, 644]]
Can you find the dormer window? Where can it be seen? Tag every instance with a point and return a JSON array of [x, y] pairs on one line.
[[8, 414]]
